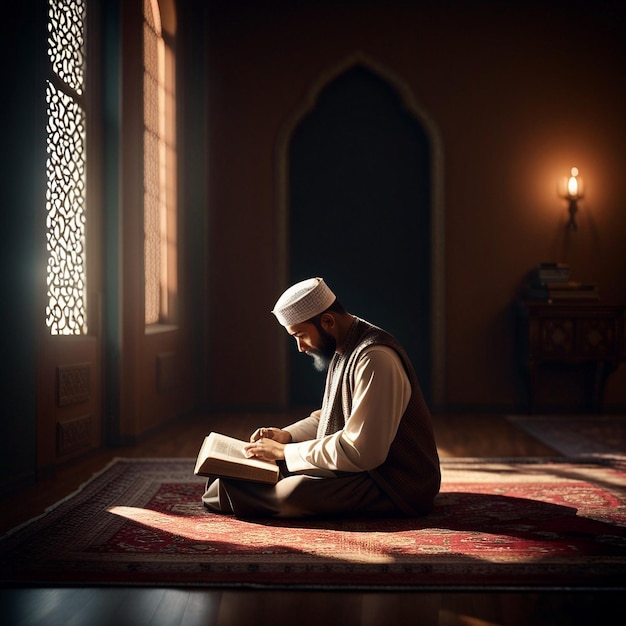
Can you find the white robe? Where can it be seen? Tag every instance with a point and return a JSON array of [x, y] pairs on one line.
[[328, 476]]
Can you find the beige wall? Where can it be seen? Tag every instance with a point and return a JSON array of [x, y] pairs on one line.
[[520, 92]]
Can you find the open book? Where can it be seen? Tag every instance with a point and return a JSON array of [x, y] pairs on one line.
[[224, 456]]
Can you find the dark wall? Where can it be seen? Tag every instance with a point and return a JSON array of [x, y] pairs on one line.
[[520, 92], [21, 233]]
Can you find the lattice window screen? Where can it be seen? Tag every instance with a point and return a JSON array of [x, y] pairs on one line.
[[66, 312], [159, 170], [152, 139]]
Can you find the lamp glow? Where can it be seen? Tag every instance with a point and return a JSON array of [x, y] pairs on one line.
[[572, 183], [572, 191]]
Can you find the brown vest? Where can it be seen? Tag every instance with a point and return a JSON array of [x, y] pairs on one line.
[[410, 475]]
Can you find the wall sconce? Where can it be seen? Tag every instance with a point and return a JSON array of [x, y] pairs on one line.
[[572, 190]]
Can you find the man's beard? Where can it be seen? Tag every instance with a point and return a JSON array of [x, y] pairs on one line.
[[323, 355]]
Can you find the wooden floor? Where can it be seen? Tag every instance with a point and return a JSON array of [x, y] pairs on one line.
[[457, 436]]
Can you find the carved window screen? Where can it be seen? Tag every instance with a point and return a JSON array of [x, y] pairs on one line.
[[66, 311]]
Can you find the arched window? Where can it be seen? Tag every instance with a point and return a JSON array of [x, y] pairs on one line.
[[160, 233], [66, 310]]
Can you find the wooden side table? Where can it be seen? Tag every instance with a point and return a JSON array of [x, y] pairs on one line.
[[571, 332]]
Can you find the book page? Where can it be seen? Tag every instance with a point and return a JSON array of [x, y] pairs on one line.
[[229, 447]]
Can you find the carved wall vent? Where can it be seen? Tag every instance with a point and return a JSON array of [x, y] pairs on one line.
[[74, 434], [73, 383]]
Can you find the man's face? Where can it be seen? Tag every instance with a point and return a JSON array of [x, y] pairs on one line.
[[314, 341]]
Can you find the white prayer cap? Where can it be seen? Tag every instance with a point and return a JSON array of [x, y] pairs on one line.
[[303, 301]]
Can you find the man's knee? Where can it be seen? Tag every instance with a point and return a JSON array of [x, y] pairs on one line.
[[215, 498]]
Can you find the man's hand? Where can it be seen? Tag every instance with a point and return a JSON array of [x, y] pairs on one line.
[[266, 448], [270, 432]]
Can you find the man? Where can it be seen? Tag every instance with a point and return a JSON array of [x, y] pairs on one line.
[[369, 450]]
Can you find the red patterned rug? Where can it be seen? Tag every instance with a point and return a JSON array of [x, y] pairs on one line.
[[531, 523]]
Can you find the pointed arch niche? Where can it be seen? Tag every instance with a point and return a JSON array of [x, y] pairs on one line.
[[360, 202]]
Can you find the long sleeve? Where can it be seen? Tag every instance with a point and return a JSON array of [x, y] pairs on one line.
[[304, 429], [379, 398]]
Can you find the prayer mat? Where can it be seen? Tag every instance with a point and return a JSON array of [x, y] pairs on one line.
[[577, 435], [497, 523]]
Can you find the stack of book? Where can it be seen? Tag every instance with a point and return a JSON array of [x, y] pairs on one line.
[[551, 282], [551, 273]]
